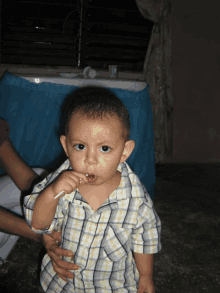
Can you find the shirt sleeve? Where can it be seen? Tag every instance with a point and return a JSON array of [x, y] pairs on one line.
[[146, 233], [30, 200]]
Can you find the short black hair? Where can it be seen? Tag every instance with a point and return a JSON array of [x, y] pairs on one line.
[[94, 102]]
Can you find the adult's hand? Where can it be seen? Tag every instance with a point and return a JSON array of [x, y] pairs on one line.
[[60, 266]]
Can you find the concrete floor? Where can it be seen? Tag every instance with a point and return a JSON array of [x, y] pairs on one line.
[[187, 202]]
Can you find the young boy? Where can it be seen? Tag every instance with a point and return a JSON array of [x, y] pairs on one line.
[[105, 214]]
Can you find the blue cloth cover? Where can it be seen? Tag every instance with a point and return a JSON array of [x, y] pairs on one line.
[[33, 113]]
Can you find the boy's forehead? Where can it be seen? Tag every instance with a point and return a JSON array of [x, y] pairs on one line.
[[81, 117]]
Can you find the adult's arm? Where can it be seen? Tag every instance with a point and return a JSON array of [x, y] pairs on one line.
[[18, 170], [14, 224], [25, 178]]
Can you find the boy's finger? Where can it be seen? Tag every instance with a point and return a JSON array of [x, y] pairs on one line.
[[80, 176]]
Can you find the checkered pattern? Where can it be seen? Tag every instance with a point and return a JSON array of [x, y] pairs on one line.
[[102, 241]]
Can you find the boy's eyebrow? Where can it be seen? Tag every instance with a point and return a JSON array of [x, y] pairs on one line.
[[77, 141], [102, 142], [106, 142]]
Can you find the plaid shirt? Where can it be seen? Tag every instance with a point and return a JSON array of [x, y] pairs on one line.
[[102, 241]]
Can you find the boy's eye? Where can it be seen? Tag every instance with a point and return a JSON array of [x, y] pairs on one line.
[[79, 146], [105, 149]]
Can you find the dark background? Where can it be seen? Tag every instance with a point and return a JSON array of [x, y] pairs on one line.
[[48, 33]]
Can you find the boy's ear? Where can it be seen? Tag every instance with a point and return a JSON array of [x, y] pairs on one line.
[[63, 142], [128, 149]]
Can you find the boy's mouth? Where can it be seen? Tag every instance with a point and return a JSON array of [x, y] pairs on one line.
[[91, 177]]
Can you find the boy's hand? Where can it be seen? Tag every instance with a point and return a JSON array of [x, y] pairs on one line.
[[60, 266], [146, 285], [68, 181]]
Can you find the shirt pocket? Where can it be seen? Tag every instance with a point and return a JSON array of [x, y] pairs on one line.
[[117, 243]]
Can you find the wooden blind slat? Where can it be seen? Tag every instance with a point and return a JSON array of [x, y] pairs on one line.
[[33, 52], [115, 56], [117, 27], [71, 4], [38, 60], [39, 38], [34, 30], [34, 21], [27, 45], [116, 41]]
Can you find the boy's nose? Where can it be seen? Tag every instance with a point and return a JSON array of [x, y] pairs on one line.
[[91, 157]]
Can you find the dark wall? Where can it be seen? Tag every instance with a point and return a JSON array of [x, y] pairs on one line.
[[196, 76]]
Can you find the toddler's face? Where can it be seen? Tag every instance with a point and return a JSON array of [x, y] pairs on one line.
[[96, 146]]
